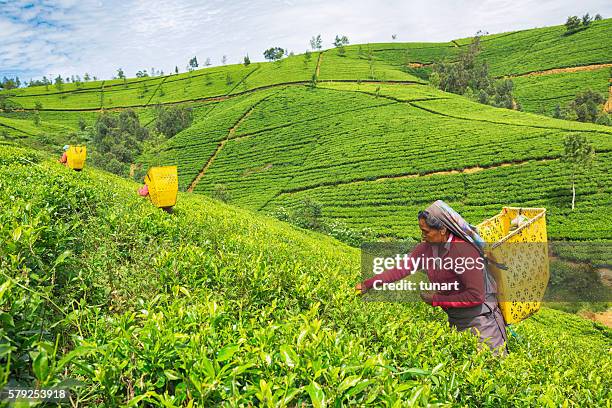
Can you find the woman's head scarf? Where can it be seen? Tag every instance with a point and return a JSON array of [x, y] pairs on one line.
[[456, 224], [460, 227]]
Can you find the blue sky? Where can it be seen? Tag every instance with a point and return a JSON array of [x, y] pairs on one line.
[[70, 37]]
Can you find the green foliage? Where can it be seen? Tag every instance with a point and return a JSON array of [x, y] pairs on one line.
[[274, 53], [316, 43], [576, 284], [470, 77], [173, 119], [578, 152], [587, 106], [560, 89], [117, 140], [339, 43], [59, 83], [572, 24], [193, 63], [215, 305], [221, 193], [10, 83]]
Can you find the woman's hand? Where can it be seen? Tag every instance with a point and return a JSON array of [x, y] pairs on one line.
[[427, 296], [360, 289]]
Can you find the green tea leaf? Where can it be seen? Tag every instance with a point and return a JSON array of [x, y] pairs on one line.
[[227, 352], [288, 354], [317, 395]]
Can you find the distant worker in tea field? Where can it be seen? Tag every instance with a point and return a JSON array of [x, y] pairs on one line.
[[161, 186], [64, 158], [449, 241], [143, 191]]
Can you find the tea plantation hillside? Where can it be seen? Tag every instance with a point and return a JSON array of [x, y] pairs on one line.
[[373, 155], [513, 54], [360, 131], [216, 303]]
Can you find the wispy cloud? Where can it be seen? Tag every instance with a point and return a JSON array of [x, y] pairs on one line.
[[69, 37]]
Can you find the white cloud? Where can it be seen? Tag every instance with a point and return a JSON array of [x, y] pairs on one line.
[[73, 37]]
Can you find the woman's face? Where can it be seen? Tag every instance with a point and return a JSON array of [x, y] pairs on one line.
[[432, 235]]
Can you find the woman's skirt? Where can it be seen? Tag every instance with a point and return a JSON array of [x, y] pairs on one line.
[[484, 321]]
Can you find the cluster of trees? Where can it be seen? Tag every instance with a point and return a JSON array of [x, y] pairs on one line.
[[10, 83], [587, 106], [59, 81], [470, 77], [118, 139], [574, 23], [316, 44], [308, 214]]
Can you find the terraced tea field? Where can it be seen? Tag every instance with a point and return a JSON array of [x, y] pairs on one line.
[[368, 123], [220, 304], [283, 151]]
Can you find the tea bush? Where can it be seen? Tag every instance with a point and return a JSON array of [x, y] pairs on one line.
[[218, 305]]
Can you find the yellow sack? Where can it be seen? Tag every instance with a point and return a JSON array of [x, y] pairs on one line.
[[76, 156], [163, 185], [520, 287]]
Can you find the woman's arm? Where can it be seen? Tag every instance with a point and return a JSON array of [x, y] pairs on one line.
[[143, 191], [394, 274]]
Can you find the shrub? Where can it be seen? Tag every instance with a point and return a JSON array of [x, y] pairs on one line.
[[222, 193], [171, 120], [572, 24]]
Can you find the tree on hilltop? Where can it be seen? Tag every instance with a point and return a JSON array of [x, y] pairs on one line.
[[316, 43], [274, 53], [193, 63], [340, 42]]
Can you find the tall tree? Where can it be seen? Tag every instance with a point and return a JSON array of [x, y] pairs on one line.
[[193, 63], [578, 155], [340, 42], [59, 83], [316, 43]]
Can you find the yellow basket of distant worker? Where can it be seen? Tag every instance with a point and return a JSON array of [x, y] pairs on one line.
[[522, 272], [163, 185], [76, 156]]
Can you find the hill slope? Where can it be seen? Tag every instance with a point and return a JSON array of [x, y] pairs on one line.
[[372, 142], [374, 155], [217, 303]]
